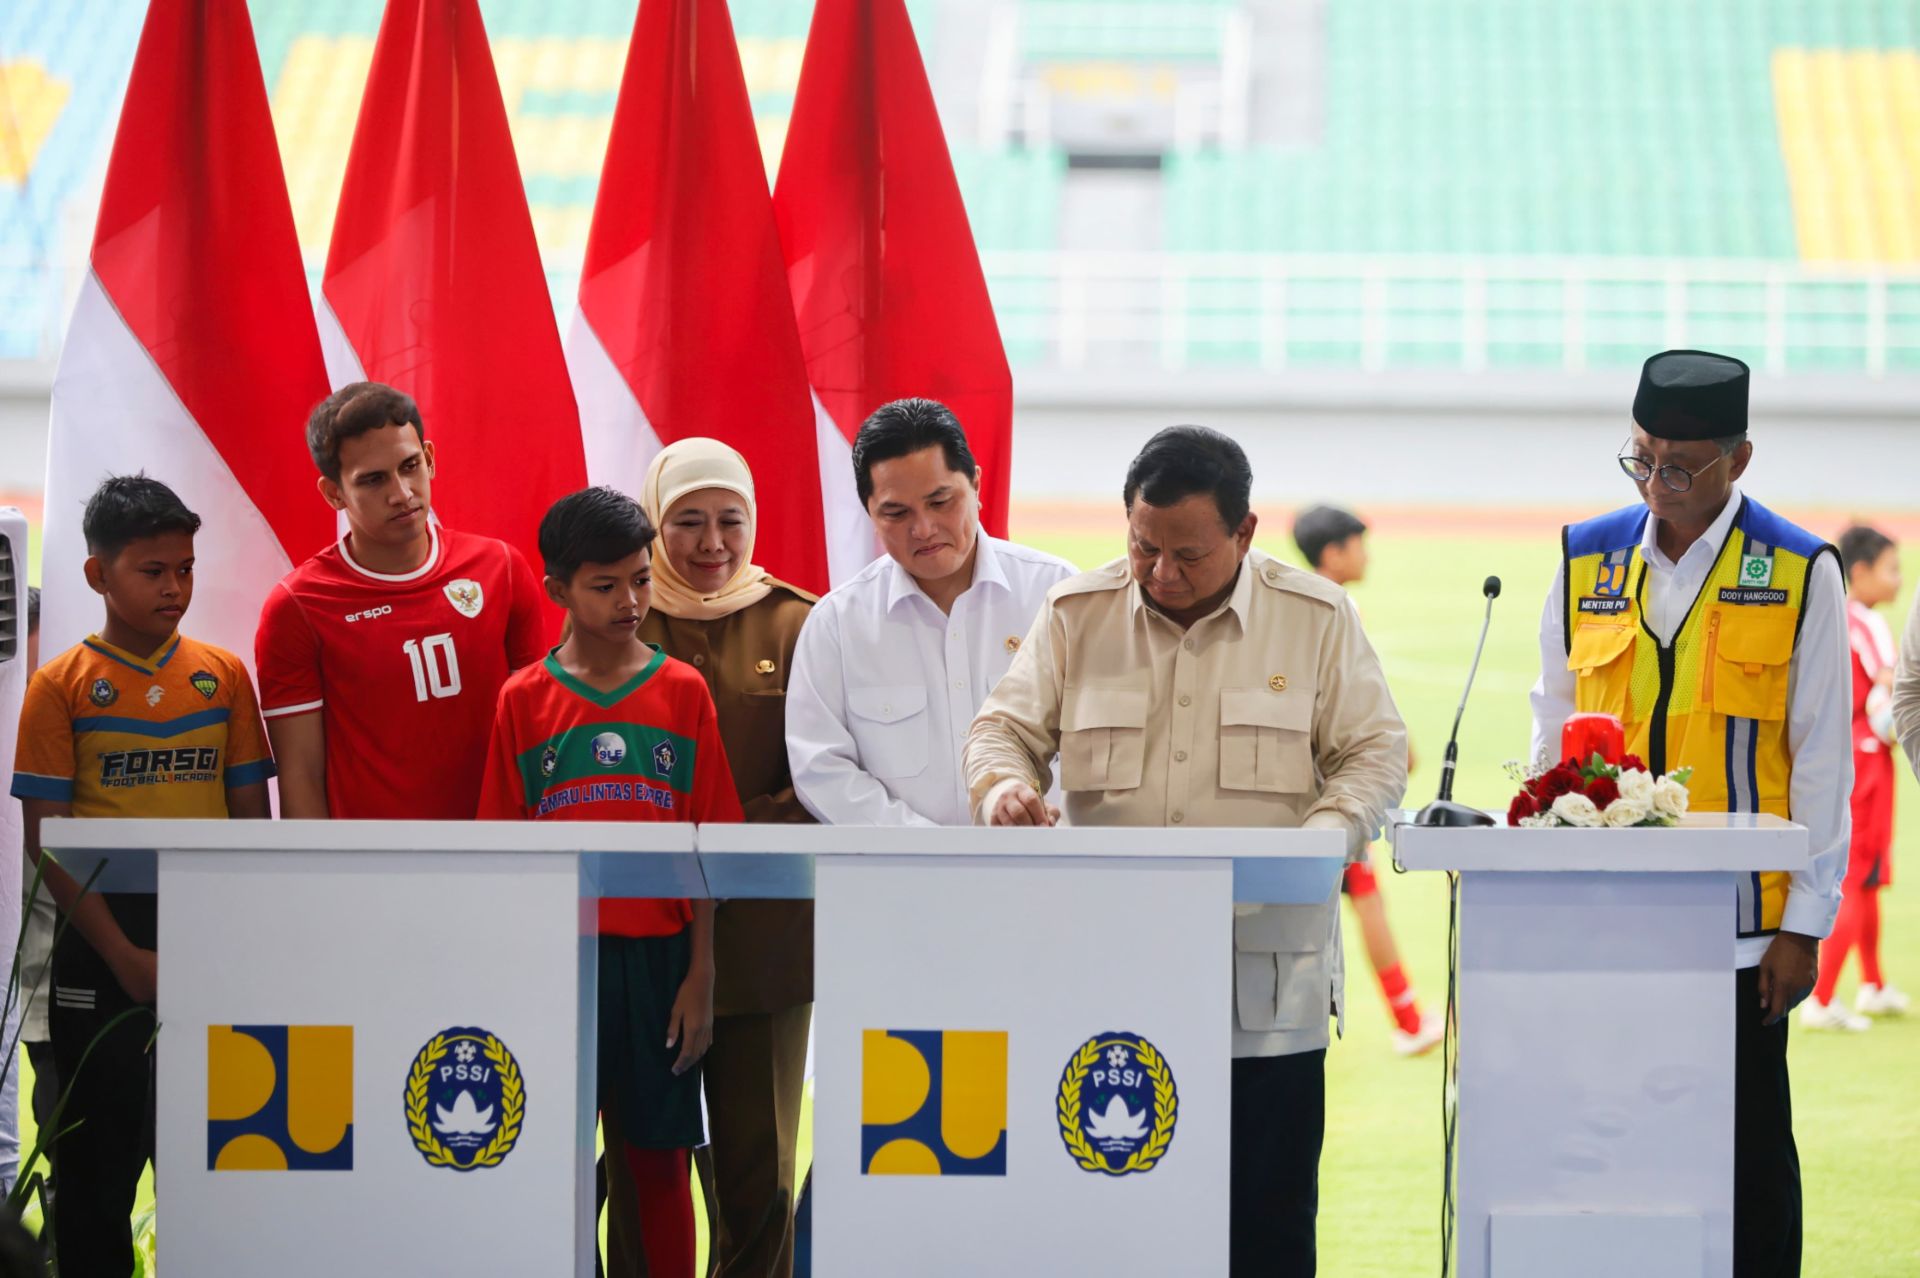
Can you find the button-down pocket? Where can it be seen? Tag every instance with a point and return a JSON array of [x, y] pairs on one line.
[[1265, 740], [1750, 653], [1282, 970], [1103, 736], [1601, 658], [890, 727], [762, 714]]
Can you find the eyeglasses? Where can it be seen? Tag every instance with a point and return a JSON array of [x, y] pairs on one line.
[[1678, 478]]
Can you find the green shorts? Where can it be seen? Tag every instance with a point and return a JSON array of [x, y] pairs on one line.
[[640, 1096]]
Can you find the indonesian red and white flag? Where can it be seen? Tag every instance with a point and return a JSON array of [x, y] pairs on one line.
[[433, 281], [886, 282], [685, 326], [192, 353]]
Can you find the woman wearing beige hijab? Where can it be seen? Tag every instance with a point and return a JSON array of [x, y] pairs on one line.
[[714, 609]]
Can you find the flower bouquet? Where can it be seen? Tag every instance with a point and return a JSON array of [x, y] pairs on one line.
[[1597, 794]]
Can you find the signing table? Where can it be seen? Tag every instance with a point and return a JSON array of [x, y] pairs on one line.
[[377, 1039], [1596, 1003]]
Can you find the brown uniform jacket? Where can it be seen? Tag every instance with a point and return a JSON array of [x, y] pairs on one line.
[[763, 950]]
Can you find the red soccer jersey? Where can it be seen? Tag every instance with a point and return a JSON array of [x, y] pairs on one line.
[[403, 670], [647, 751], [1873, 770]]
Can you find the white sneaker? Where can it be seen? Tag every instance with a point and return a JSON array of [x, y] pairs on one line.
[[1831, 1016], [1880, 1000], [1433, 1028]]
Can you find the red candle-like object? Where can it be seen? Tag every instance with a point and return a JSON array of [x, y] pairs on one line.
[[1586, 735]]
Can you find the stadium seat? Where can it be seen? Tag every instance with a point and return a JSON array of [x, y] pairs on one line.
[[1748, 131]]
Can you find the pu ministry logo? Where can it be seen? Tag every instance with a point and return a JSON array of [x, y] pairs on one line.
[[933, 1103], [279, 1098], [465, 1100], [1117, 1105]]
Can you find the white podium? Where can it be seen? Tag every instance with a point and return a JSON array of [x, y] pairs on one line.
[[1596, 1005], [377, 1039]]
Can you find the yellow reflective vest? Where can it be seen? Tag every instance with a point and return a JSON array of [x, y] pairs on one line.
[[1715, 698]]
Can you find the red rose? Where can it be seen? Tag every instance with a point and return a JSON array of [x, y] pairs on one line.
[[1632, 763], [1522, 806], [1561, 780], [1603, 790]]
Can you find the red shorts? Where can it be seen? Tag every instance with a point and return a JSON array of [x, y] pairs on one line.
[[1870, 852]]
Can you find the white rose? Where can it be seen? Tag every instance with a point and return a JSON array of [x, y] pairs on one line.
[[1670, 798], [1576, 809], [1621, 814], [1636, 787]]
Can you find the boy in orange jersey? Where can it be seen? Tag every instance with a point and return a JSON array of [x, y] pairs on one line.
[[136, 721]]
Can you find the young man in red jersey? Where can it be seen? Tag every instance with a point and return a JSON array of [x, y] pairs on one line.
[[1871, 562], [380, 657], [609, 728], [1334, 543]]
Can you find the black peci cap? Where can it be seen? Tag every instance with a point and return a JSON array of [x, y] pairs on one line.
[[1689, 395]]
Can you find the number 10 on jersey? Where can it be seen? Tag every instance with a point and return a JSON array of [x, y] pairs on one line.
[[436, 666]]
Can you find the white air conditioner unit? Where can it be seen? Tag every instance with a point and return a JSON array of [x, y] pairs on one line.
[[13, 690]]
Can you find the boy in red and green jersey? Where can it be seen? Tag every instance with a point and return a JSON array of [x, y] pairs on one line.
[[647, 750], [609, 728]]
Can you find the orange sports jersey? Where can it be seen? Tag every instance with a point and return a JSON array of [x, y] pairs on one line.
[[117, 735], [647, 751]]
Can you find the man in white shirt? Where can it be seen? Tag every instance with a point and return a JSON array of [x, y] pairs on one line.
[[1716, 632], [892, 666]]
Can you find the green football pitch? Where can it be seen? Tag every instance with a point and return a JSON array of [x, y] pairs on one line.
[[1856, 1097]]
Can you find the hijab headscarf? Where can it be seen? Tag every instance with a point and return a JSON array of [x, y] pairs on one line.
[[687, 466]]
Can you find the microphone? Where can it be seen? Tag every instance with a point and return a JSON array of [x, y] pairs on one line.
[[1443, 810]]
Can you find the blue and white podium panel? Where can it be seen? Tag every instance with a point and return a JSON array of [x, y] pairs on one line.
[[377, 1039], [376, 1043], [1596, 1005], [1022, 1041]]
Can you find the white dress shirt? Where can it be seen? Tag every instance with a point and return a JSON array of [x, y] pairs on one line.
[[884, 686], [1819, 709]]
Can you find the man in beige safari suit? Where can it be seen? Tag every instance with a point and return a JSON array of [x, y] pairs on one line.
[[1201, 682]]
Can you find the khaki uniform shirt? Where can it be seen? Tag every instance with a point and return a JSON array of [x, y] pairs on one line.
[[762, 950], [1271, 711]]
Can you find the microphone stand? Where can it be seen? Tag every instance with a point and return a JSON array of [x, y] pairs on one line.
[[1443, 811]]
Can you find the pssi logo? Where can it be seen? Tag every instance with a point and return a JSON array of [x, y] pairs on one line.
[[465, 1100], [368, 614], [279, 1098], [933, 1103], [1117, 1105]]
